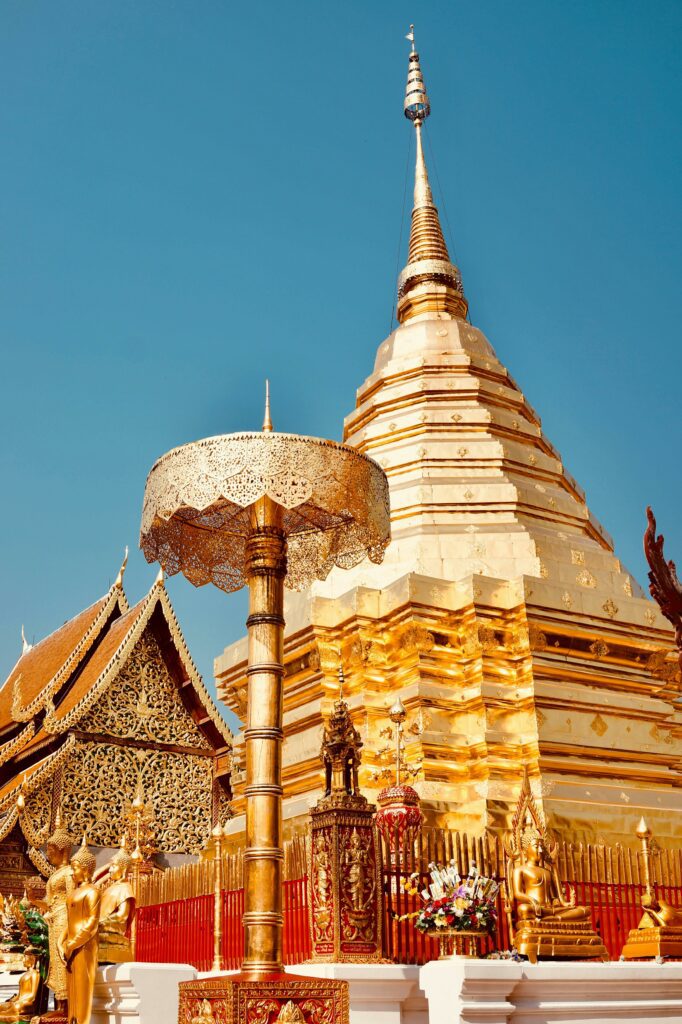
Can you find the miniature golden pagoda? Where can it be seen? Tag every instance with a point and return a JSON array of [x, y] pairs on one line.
[[659, 933], [501, 609], [108, 701]]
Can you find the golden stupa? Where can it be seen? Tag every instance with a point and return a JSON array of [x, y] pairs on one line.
[[501, 614]]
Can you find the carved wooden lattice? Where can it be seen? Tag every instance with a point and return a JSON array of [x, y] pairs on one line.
[[143, 703]]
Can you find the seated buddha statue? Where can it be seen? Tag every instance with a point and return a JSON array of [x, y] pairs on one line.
[[117, 909], [544, 924], [537, 889], [24, 1004]]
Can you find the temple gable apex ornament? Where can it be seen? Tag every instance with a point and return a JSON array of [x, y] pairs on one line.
[[544, 924]]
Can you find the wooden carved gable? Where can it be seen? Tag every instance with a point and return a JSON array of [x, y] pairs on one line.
[[143, 703]]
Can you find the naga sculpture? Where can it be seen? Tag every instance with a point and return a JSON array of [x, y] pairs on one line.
[[545, 925], [664, 586]]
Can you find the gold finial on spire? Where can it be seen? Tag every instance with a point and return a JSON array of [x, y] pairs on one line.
[[25, 645], [267, 422], [430, 283], [342, 683], [158, 582], [119, 579]]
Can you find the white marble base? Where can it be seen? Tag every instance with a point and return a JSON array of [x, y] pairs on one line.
[[499, 992], [134, 992], [378, 993]]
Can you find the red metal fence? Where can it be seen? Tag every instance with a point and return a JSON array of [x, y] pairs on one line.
[[605, 879], [182, 931]]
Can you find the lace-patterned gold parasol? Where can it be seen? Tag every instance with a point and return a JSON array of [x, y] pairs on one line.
[[268, 510], [196, 519]]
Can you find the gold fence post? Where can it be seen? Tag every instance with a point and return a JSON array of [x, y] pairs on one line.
[[217, 899]]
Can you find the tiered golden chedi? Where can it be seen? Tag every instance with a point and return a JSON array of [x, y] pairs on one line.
[[500, 613]]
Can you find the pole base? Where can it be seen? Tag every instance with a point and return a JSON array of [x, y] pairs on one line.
[[272, 999]]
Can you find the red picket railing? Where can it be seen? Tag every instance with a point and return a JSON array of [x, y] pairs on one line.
[[182, 931]]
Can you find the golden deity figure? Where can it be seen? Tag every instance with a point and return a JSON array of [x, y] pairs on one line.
[[80, 939], [204, 1014], [359, 884], [322, 882], [59, 887], [117, 909], [24, 1004], [659, 933], [544, 924]]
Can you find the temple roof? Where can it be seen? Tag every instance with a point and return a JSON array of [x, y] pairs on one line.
[[42, 668], [68, 671]]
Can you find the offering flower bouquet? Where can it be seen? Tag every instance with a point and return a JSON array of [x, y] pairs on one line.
[[452, 902]]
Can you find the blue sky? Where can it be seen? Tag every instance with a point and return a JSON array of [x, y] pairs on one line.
[[196, 195]]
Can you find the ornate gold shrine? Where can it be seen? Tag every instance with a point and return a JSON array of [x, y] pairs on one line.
[[659, 933], [544, 925], [109, 701], [346, 907]]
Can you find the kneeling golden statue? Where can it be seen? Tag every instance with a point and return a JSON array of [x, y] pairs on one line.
[[117, 909], [659, 933], [24, 1004], [544, 924]]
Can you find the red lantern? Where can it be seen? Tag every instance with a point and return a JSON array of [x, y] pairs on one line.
[[399, 815]]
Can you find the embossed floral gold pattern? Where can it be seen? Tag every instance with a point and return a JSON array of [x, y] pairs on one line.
[[102, 779], [195, 517], [143, 702]]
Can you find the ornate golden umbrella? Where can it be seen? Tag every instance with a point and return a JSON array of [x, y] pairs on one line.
[[268, 510]]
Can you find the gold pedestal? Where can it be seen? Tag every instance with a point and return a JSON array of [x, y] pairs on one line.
[[453, 944], [646, 943], [346, 905], [283, 998], [558, 940]]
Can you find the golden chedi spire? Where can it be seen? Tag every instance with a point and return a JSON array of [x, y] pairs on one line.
[[429, 283]]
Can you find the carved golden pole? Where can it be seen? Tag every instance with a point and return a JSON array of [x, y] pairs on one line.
[[398, 714], [263, 509], [217, 899], [644, 835], [137, 857], [264, 856]]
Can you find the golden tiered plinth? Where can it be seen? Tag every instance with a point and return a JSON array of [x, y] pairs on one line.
[[268, 510], [659, 933]]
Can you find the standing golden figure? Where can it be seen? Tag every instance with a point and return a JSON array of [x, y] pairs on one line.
[[80, 939], [117, 908], [544, 924], [59, 887], [267, 510]]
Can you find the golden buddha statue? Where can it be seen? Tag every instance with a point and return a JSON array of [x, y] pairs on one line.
[[80, 939], [544, 924], [117, 909], [59, 887], [659, 933], [24, 1004]]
